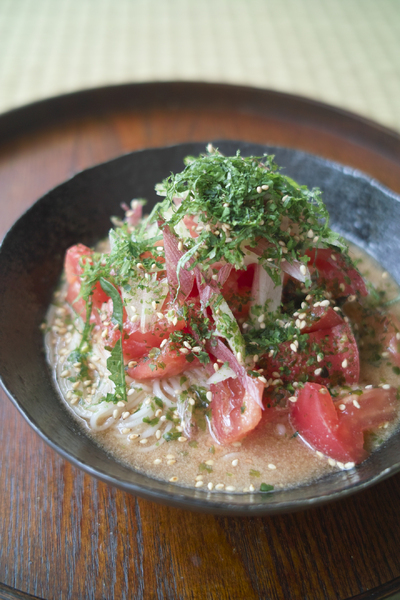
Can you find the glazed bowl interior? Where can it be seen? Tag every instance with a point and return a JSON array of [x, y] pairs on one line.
[[31, 260]]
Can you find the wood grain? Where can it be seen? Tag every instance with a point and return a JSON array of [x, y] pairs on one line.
[[65, 535]]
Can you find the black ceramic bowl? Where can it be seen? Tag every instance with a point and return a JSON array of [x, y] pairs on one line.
[[31, 259]]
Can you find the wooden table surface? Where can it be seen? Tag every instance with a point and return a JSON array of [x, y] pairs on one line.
[[64, 535]]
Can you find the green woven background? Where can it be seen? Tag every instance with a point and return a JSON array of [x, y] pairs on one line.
[[344, 52]]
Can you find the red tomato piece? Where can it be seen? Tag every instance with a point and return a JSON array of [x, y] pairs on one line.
[[135, 343], [320, 317], [73, 270], [335, 273], [377, 406], [390, 338], [316, 419], [234, 412], [340, 434], [237, 291], [339, 365], [191, 224], [164, 362]]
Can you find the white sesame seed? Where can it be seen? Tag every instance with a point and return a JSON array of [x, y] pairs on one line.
[[319, 454], [144, 441], [368, 387], [356, 403], [74, 399], [385, 275], [158, 434], [199, 484], [331, 462], [344, 363], [179, 428], [386, 386], [216, 367], [259, 189], [130, 392], [173, 479], [349, 465], [133, 436], [180, 246], [198, 478], [196, 349], [65, 373], [182, 439], [262, 378], [318, 371], [342, 407], [235, 462], [397, 336], [121, 404], [292, 399], [220, 486], [171, 461], [324, 303], [303, 269], [157, 461], [125, 430], [75, 385], [209, 396], [126, 414], [261, 318], [251, 488], [210, 485], [183, 350], [271, 466], [230, 488], [163, 418], [209, 462], [310, 233], [191, 401], [115, 414]]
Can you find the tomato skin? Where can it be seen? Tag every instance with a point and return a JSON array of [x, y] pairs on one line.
[[340, 433], [316, 419], [166, 363], [73, 271], [390, 329], [228, 421], [337, 344], [320, 317], [377, 407], [237, 291], [135, 343], [335, 273]]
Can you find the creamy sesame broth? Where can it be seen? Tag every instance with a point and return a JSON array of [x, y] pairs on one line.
[[195, 352]]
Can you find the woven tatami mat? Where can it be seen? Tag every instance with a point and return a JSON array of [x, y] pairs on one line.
[[344, 52]]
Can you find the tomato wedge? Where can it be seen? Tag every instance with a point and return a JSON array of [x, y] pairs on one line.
[[335, 273], [340, 434], [320, 317], [237, 291], [161, 362], [390, 338], [331, 356], [73, 270], [234, 412], [136, 343]]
